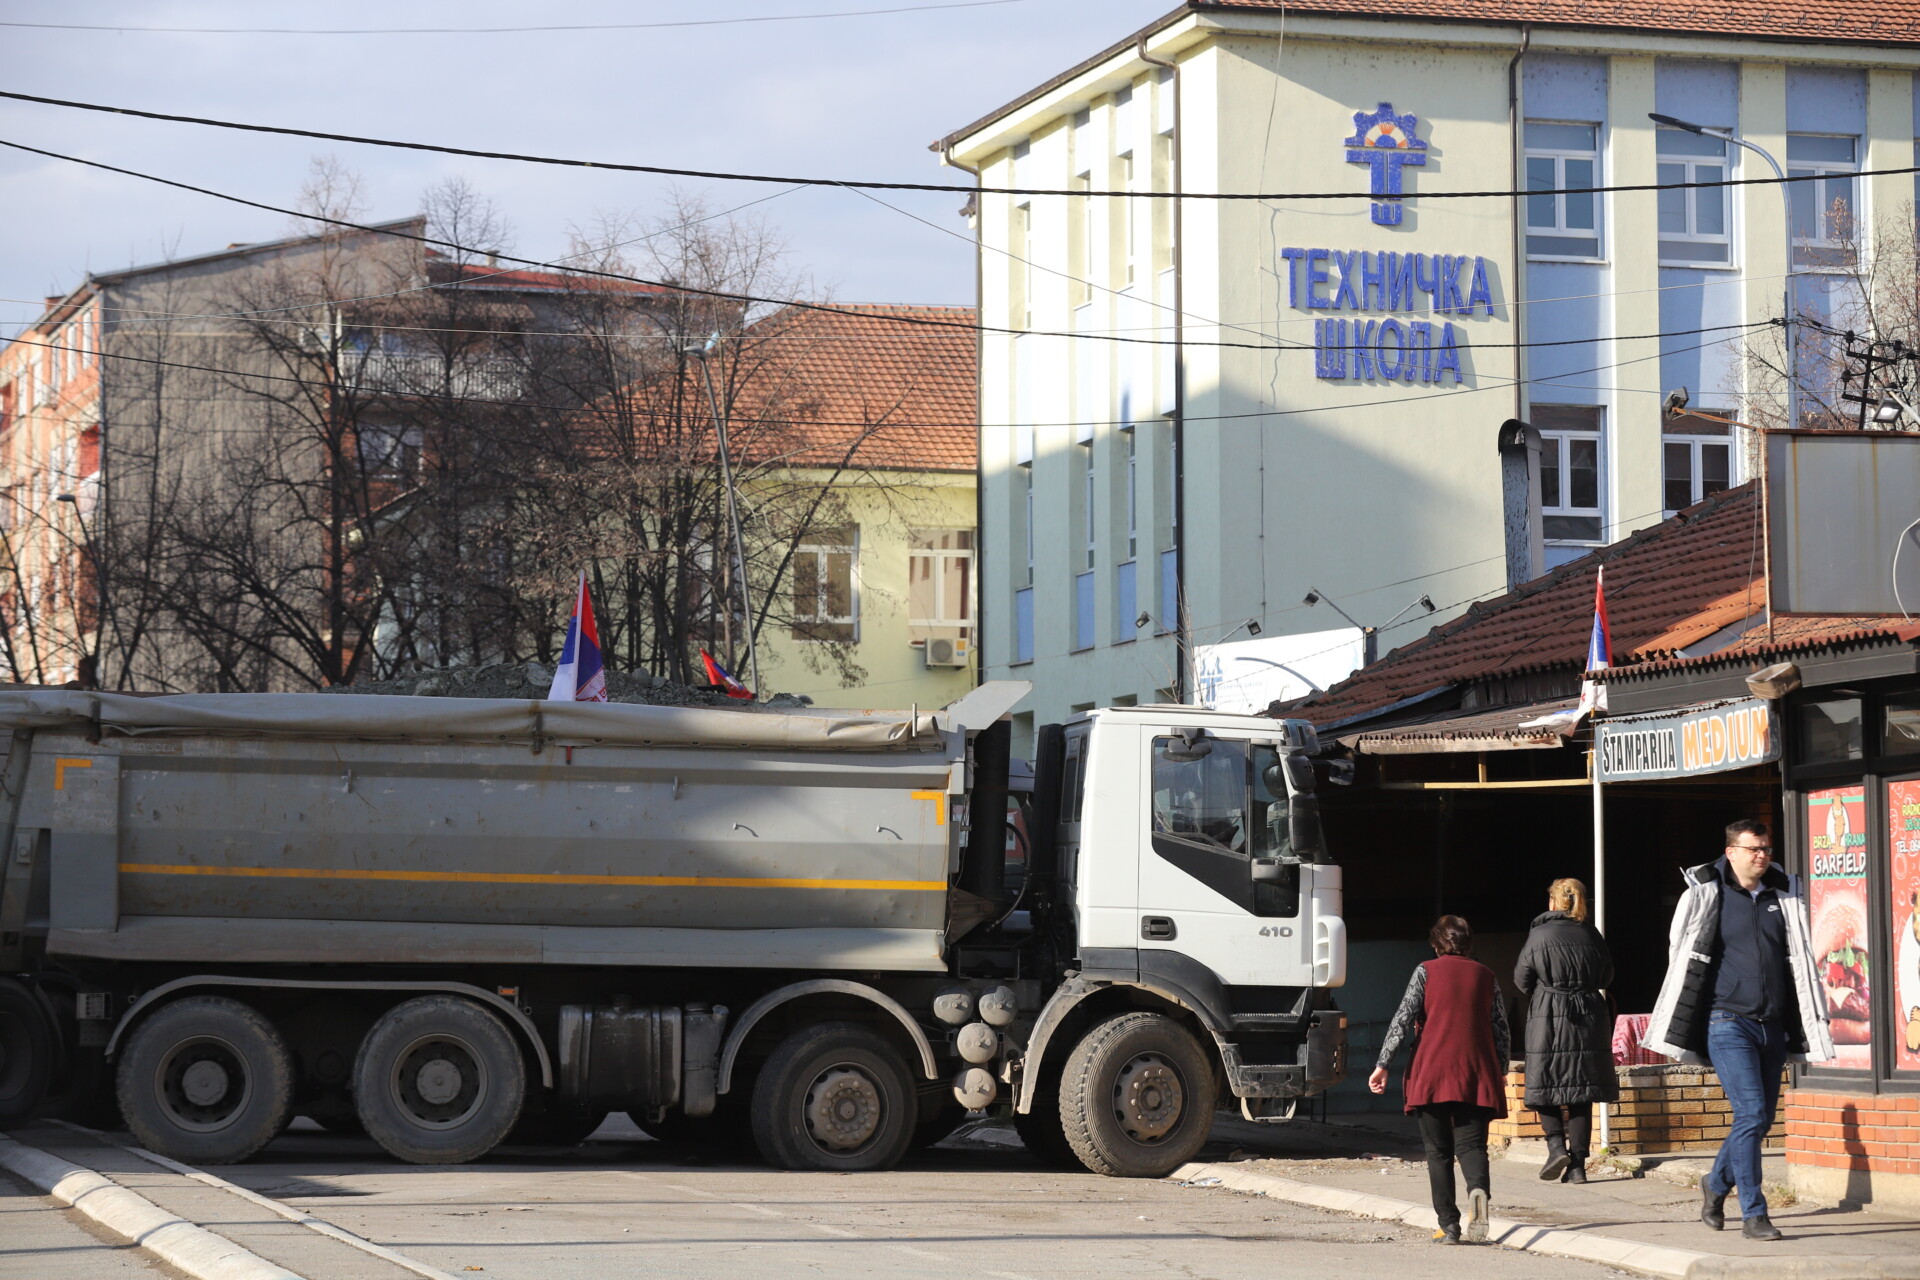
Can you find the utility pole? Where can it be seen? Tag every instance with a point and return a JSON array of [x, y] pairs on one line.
[[100, 580], [701, 353]]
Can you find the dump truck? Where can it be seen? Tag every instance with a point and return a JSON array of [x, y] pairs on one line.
[[450, 923]]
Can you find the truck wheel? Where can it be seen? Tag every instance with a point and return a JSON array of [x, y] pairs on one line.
[[438, 1080], [1040, 1130], [207, 1080], [26, 1052], [837, 1097], [1137, 1097]]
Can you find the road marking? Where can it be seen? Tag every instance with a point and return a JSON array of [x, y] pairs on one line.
[[834, 1231], [920, 1253], [318, 1225], [521, 877]]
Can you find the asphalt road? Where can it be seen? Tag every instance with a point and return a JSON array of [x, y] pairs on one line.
[[977, 1207], [40, 1239]]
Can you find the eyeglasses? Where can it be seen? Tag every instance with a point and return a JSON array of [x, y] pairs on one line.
[[1752, 848]]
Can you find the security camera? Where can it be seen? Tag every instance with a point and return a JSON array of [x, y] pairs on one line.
[[1313, 597], [1677, 401]]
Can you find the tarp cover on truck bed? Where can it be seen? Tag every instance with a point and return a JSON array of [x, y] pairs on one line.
[[310, 715]]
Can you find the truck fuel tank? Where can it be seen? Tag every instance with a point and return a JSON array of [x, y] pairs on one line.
[[644, 1059]]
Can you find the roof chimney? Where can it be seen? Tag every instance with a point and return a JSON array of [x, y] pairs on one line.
[[1520, 501]]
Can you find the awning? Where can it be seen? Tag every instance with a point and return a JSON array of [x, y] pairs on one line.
[[1502, 730]]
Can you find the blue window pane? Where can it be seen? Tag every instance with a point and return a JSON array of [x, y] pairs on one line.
[[1540, 178], [1803, 199], [1816, 149], [1836, 196], [1673, 204], [1579, 207], [1083, 611], [1126, 601], [1023, 625], [1710, 203], [1563, 137], [1678, 142], [1169, 590]]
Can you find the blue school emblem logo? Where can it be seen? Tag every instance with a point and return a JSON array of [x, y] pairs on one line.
[[1385, 141]]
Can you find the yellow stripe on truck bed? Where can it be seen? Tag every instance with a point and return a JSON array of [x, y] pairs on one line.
[[517, 877]]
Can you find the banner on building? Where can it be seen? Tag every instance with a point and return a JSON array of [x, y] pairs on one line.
[[1903, 843], [1682, 744], [1249, 676], [1838, 893]]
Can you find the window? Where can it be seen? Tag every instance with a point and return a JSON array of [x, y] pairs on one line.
[[1026, 486], [1216, 806], [1126, 601], [8, 406], [826, 601], [1560, 156], [940, 584], [1090, 529], [1696, 459], [1083, 630], [1830, 730], [389, 451], [1023, 265], [1902, 735], [1823, 210], [1169, 619], [1693, 224], [1571, 479], [1023, 625]]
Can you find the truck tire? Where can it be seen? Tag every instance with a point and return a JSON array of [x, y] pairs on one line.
[[834, 1096], [207, 1080], [1137, 1097], [26, 1052], [438, 1080], [1040, 1130]]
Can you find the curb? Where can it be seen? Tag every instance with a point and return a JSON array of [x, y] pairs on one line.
[[1629, 1255], [195, 1250]]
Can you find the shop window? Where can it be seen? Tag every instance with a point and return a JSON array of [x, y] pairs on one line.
[[1900, 735], [1830, 731], [1693, 223], [1563, 223], [940, 584], [1572, 479], [826, 601], [1696, 459], [1823, 209]]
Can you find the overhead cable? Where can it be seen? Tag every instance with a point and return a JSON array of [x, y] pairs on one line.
[[948, 187]]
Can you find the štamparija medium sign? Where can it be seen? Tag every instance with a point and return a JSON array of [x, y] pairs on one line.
[[1680, 744]]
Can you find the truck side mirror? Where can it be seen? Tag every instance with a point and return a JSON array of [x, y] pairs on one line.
[[1303, 828]]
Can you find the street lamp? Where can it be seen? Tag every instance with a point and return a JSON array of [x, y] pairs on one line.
[[99, 576], [1786, 198], [700, 352]]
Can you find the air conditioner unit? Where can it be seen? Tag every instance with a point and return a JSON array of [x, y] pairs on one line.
[[946, 653]]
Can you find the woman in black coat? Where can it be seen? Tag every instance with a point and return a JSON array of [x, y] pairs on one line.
[[1562, 969]]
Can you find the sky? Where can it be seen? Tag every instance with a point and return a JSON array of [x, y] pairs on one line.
[[844, 97]]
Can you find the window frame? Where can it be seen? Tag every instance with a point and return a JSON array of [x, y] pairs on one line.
[[1696, 441], [943, 560], [1844, 253], [1559, 156], [1726, 162], [820, 552], [1559, 438]]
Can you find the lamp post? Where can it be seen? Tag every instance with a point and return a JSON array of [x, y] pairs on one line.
[[1786, 198], [700, 353], [99, 577]]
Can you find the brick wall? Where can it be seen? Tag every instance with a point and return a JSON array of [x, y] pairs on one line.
[[1661, 1108], [1854, 1131]]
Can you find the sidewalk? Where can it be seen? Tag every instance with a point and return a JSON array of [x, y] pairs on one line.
[[1645, 1220]]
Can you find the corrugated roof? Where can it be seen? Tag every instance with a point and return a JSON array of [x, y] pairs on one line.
[[1822, 21], [1791, 634], [1668, 586], [1504, 730]]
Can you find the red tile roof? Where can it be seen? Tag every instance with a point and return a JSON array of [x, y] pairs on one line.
[[1823, 21], [1668, 586], [868, 383], [1790, 634]]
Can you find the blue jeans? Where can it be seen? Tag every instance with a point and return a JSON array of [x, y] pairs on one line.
[[1748, 1055]]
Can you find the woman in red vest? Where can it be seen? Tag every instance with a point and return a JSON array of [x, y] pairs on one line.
[[1456, 1084]]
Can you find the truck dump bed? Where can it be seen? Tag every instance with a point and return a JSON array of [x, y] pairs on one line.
[[271, 828]]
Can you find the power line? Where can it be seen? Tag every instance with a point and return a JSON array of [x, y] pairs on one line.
[[589, 410], [669, 286], [952, 188], [487, 31]]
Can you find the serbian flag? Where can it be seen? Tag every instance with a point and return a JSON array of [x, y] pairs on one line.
[[1593, 694], [581, 675], [717, 675]]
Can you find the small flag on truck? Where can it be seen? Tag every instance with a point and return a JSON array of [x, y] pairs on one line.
[[718, 677], [581, 675]]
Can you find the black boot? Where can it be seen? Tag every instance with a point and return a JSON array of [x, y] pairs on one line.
[[1759, 1227], [1576, 1167], [1557, 1158], [1713, 1208]]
